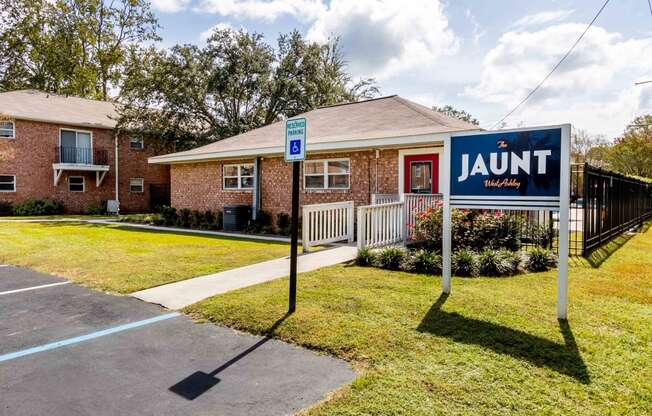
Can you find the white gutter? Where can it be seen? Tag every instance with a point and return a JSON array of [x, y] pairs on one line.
[[314, 147]]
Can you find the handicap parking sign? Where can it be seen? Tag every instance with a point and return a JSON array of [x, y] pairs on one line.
[[295, 139]]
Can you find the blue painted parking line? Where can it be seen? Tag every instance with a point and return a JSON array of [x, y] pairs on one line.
[[87, 337]]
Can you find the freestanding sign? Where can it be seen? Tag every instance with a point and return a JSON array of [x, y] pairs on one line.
[[521, 169], [296, 132]]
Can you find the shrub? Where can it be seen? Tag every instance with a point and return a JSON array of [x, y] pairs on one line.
[[391, 258], [38, 207], [540, 235], [491, 263], [6, 208], [283, 223], [540, 260], [465, 263], [366, 257], [184, 218], [511, 261], [169, 215], [96, 208], [196, 219], [208, 220], [262, 223], [423, 261], [471, 229]]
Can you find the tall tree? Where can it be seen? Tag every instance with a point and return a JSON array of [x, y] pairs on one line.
[[585, 147], [459, 114], [632, 152], [70, 46], [189, 95]]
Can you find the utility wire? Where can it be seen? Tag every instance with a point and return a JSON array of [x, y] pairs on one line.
[[555, 67], [649, 3]]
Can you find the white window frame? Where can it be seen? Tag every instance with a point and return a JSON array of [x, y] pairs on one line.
[[14, 182], [83, 184], [139, 139], [13, 129], [325, 174], [239, 176], [142, 185]]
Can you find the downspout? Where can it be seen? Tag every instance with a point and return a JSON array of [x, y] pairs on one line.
[[257, 196], [117, 178]]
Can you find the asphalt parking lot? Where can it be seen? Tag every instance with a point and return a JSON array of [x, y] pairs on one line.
[[66, 350]]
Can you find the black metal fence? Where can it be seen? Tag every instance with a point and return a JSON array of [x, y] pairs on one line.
[[603, 205], [611, 204]]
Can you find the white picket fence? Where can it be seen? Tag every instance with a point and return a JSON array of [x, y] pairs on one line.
[[381, 225], [384, 198], [416, 204], [327, 223]]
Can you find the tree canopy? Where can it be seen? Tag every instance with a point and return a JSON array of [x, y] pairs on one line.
[[631, 154], [459, 114], [74, 47], [190, 95]]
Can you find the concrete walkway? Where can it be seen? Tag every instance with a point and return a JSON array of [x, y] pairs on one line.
[[181, 294]]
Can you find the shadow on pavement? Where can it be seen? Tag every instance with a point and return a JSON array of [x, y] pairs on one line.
[[200, 382]]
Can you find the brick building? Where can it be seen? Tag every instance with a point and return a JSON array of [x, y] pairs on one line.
[[65, 149], [387, 145]]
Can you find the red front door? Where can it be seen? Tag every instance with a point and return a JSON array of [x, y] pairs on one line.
[[421, 174]]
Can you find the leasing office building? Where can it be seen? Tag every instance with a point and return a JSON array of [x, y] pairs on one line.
[[388, 145]]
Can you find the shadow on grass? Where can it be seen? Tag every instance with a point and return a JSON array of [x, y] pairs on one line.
[[598, 255], [200, 382], [563, 358], [131, 228]]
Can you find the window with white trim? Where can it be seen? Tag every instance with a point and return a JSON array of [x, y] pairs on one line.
[[7, 183], [137, 185], [136, 143], [76, 184], [326, 174], [7, 130], [240, 176]]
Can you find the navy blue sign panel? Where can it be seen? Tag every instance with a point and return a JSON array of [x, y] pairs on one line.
[[511, 169]]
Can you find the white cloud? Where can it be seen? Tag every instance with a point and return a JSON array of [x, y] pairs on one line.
[[263, 9], [478, 32], [543, 17], [382, 38], [170, 6], [593, 88]]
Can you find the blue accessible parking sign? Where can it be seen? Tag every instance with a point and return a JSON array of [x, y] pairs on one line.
[[295, 139]]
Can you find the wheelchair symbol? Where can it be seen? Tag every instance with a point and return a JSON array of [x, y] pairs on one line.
[[295, 147]]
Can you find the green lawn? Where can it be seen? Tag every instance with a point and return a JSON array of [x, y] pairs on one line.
[[124, 259], [59, 217], [493, 347]]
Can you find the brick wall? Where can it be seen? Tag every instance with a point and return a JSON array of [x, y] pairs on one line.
[[31, 154], [199, 185]]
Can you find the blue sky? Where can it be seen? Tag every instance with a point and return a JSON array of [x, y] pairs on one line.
[[481, 56]]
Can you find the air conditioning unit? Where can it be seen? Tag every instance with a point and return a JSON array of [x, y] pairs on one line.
[[112, 206]]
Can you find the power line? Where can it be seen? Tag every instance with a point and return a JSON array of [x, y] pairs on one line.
[[555, 67], [643, 82], [649, 3]]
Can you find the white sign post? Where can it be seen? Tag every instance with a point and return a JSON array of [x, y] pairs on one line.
[[520, 169]]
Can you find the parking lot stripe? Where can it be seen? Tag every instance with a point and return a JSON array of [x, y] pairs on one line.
[[25, 289], [87, 337]]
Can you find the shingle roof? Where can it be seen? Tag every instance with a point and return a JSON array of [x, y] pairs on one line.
[[52, 108], [378, 118]]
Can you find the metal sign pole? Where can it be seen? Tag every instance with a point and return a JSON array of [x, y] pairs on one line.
[[296, 132], [294, 236]]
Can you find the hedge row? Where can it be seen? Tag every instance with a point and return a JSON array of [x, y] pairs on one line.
[[465, 263]]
